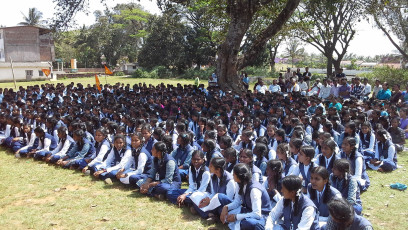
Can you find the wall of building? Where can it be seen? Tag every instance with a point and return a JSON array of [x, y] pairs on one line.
[[22, 44], [22, 70]]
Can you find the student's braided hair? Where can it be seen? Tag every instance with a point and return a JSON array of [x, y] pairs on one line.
[[293, 183]]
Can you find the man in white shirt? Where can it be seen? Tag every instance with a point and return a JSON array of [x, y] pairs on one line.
[[367, 88], [377, 88], [315, 88], [303, 86], [325, 89], [261, 88], [274, 88]]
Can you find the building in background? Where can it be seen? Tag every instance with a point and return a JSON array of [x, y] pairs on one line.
[[31, 48]]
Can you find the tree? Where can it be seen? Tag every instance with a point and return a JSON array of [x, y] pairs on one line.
[[294, 50], [392, 18], [236, 15], [33, 18], [329, 26], [165, 44]]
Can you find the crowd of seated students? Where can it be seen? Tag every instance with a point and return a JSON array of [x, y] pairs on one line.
[[254, 160]]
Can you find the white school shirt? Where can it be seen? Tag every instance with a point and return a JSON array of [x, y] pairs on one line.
[[256, 201], [46, 147], [261, 89], [124, 163], [293, 170], [31, 143], [371, 145], [231, 186], [141, 163], [99, 158], [391, 152], [62, 148], [205, 179], [367, 89], [359, 169], [306, 220], [8, 130]]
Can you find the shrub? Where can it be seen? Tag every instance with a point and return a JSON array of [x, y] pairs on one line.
[[388, 74], [140, 73], [119, 73]]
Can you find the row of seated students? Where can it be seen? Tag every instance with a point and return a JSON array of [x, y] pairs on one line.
[[283, 174]]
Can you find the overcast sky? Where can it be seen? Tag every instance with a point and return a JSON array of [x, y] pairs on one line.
[[369, 41]]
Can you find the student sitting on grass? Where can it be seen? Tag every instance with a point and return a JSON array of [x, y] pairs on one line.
[[230, 155], [182, 154], [385, 159], [261, 151], [207, 204], [342, 180], [320, 192], [46, 143], [357, 164], [107, 170], [247, 157], [198, 179], [102, 148], [140, 160], [251, 205], [81, 148], [328, 155], [290, 167], [297, 210], [65, 144], [306, 165], [273, 183], [26, 142], [163, 176]]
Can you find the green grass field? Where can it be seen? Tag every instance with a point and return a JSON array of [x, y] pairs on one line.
[[34, 195]]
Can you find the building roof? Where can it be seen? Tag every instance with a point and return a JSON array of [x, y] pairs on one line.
[[43, 30]]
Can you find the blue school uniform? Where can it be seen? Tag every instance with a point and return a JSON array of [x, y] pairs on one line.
[[250, 223], [39, 155], [382, 154], [79, 151], [261, 164], [158, 173], [216, 186], [291, 221], [211, 154], [133, 179], [182, 156], [344, 187], [256, 172], [364, 146], [149, 144], [112, 159], [364, 175], [81, 163], [306, 174], [289, 163], [196, 180], [322, 161], [322, 209]]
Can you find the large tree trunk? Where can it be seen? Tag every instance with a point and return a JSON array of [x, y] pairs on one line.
[[329, 66], [336, 64], [227, 53], [272, 56]]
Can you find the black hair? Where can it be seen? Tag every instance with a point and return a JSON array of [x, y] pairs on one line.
[[160, 133], [219, 163], [293, 183], [343, 165], [352, 142], [212, 134], [296, 142], [341, 209], [244, 174], [38, 129], [79, 133], [168, 140], [211, 145], [185, 138], [309, 151], [260, 150], [277, 167], [227, 140], [323, 173], [136, 152], [160, 146], [230, 152]]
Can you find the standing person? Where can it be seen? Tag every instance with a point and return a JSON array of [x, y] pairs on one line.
[[367, 89], [340, 74], [297, 210], [163, 176], [245, 80], [343, 216], [307, 76]]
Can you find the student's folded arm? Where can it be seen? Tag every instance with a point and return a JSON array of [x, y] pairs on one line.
[[170, 167]]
